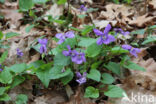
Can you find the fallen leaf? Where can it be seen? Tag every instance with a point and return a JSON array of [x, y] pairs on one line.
[[103, 23], [142, 21]]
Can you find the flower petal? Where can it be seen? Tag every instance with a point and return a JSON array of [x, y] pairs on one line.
[[43, 49], [78, 74], [109, 39], [66, 53], [43, 41], [126, 47], [126, 33], [70, 34], [107, 29], [99, 41], [59, 35], [60, 41], [98, 32]]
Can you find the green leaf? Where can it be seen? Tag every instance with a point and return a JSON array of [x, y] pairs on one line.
[[70, 41], [11, 34], [18, 68], [81, 15], [28, 28], [94, 75], [96, 64], [107, 78], [116, 1], [93, 50], [139, 32], [118, 50], [60, 21], [5, 97], [37, 47], [35, 65], [91, 10], [114, 67], [61, 2], [5, 76], [65, 80], [17, 80], [60, 59], [2, 1], [75, 29], [56, 72], [21, 99], [91, 92], [2, 90], [39, 1], [133, 66], [152, 27], [149, 40], [25, 5], [87, 30], [3, 57], [44, 75], [85, 42], [1, 35], [114, 91]]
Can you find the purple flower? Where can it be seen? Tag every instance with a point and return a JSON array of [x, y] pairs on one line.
[[105, 38], [43, 43], [81, 78], [132, 50], [62, 37], [43, 49], [119, 30], [19, 52], [1, 68], [83, 8], [67, 53], [76, 57]]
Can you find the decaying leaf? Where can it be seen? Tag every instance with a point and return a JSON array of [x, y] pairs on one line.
[[10, 12], [152, 4], [142, 21], [103, 23]]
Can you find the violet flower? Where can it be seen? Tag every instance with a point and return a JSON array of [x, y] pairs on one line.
[[119, 30], [105, 38], [83, 8], [62, 36], [76, 57], [43, 43], [1, 68], [133, 51], [19, 52], [79, 58], [81, 78], [67, 53]]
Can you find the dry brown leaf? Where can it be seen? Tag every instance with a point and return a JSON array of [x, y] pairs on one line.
[[52, 97], [54, 11], [88, 1], [113, 11], [79, 99], [152, 4], [103, 23], [34, 58], [142, 21], [10, 12]]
